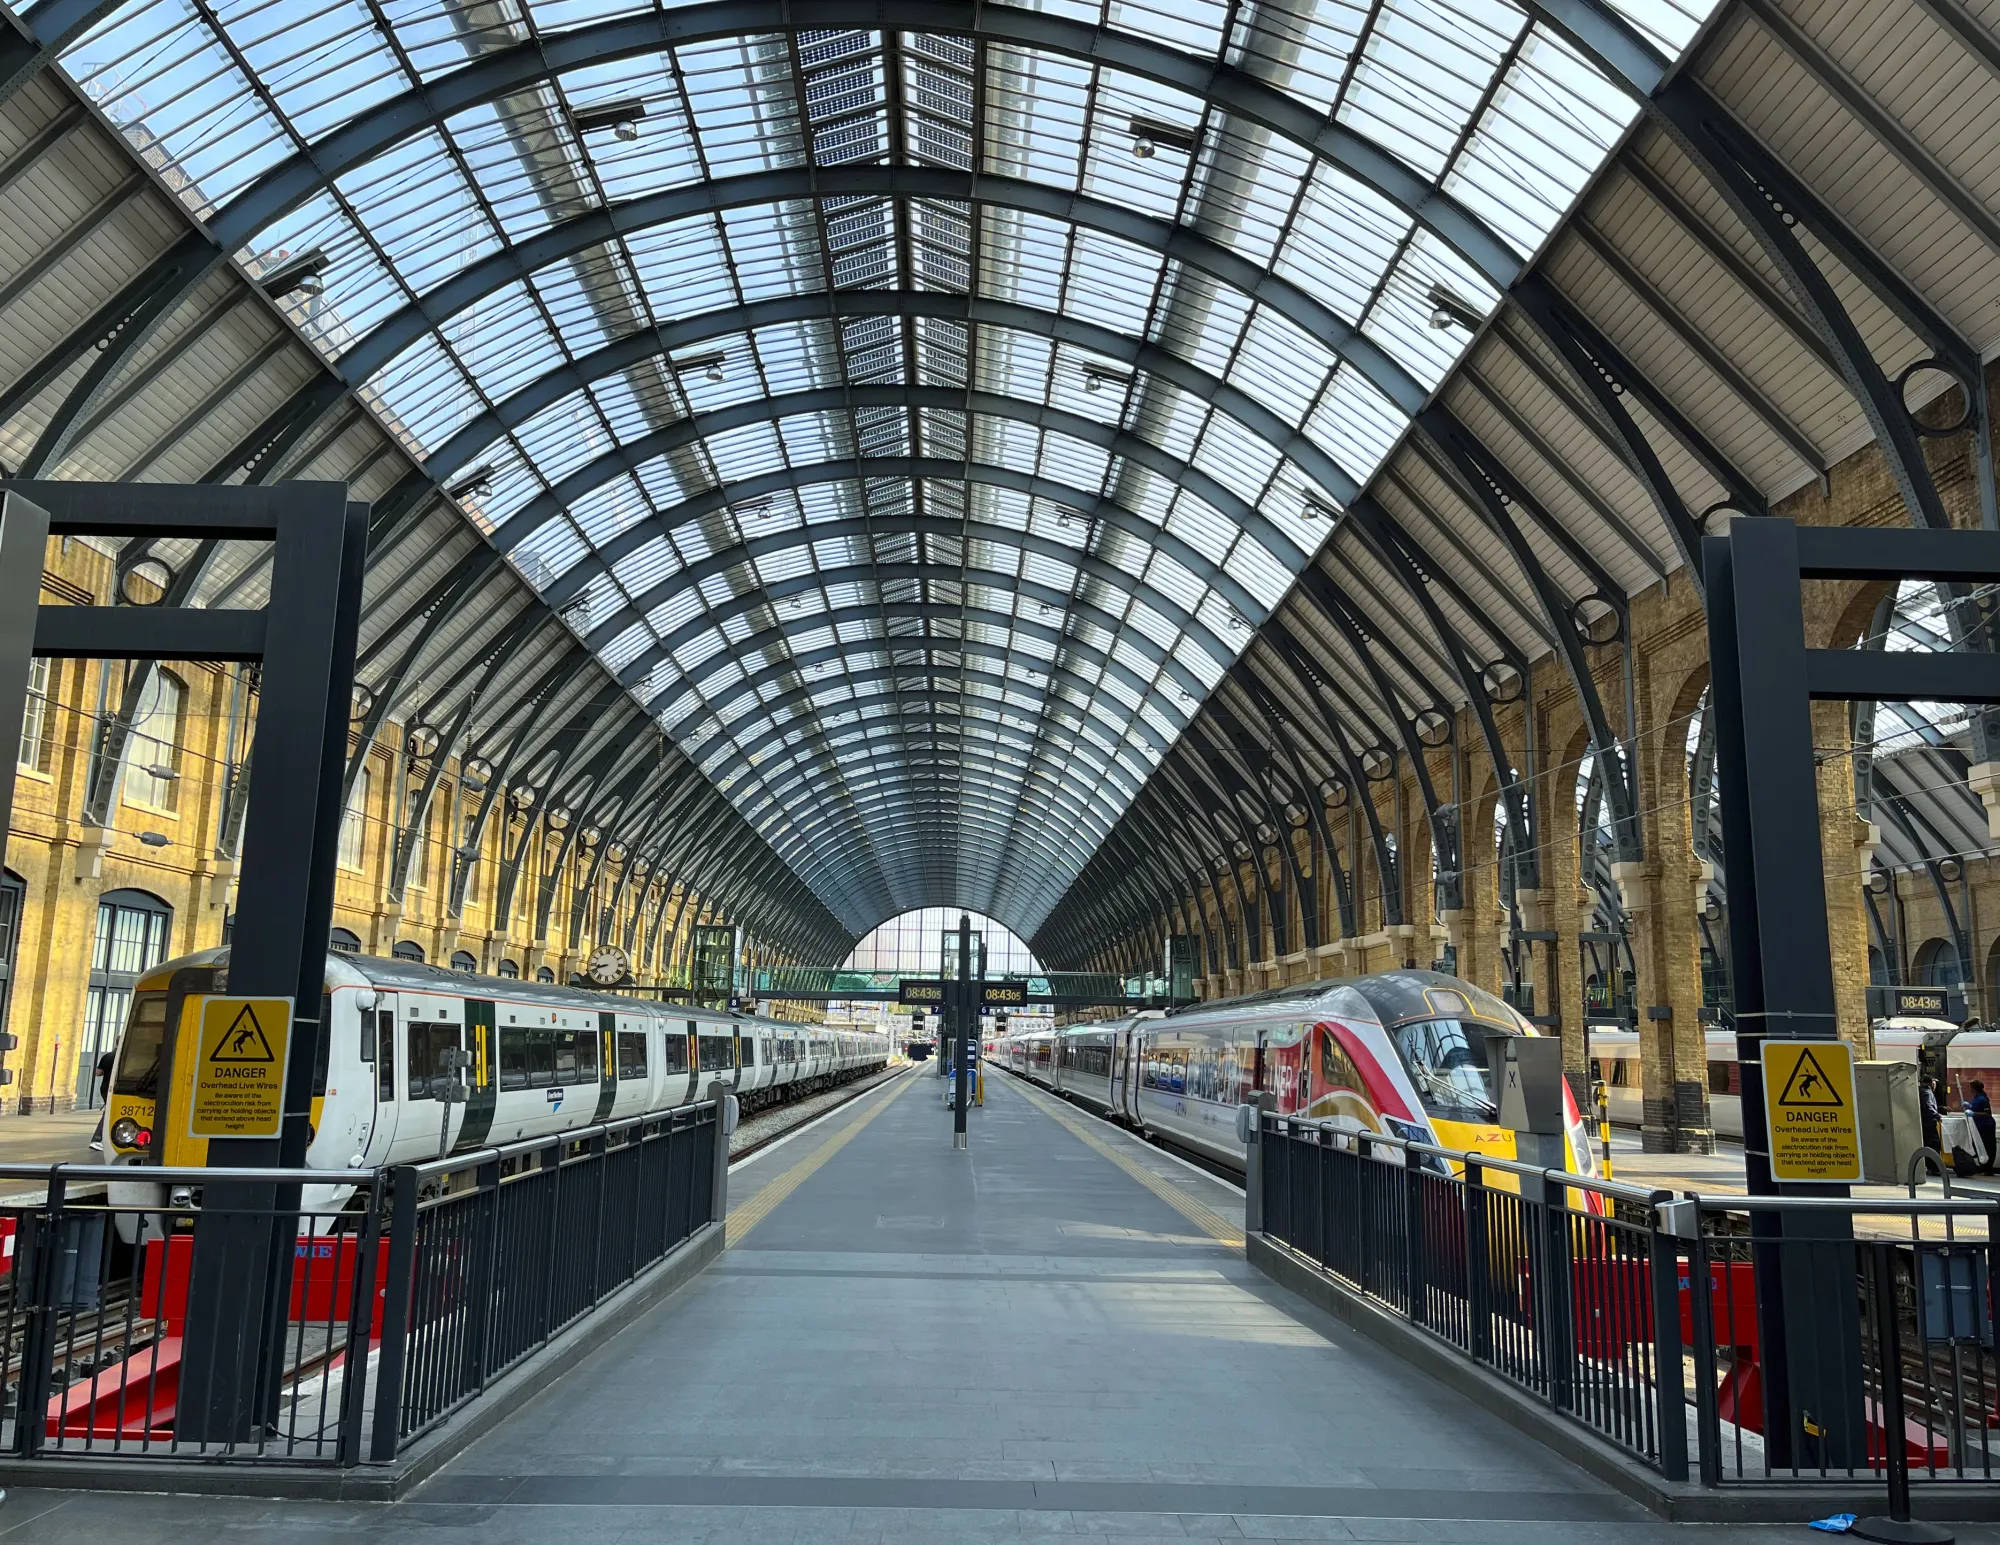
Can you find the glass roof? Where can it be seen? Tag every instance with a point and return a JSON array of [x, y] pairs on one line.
[[910, 420]]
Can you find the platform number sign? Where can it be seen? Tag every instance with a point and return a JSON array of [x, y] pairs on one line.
[[239, 1074], [1809, 1110]]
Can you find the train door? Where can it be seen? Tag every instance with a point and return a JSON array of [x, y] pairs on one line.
[[380, 1023], [427, 1075], [607, 1066], [1120, 1040], [482, 1078]]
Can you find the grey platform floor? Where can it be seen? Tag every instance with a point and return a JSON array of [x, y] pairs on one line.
[[1047, 1335]]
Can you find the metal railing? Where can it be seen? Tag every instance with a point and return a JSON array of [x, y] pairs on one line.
[[1828, 1323], [150, 1313], [491, 1254]]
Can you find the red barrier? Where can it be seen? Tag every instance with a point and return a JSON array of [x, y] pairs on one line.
[[135, 1398]]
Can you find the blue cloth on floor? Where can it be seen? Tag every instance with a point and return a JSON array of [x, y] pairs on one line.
[[1839, 1523]]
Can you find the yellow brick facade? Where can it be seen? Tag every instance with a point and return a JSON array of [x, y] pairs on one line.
[[61, 870]]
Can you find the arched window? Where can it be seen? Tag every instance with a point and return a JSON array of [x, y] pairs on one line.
[[462, 960], [509, 970], [13, 905], [409, 949], [1936, 964], [544, 974], [132, 928], [153, 754], [1878, 968], [341, 941]]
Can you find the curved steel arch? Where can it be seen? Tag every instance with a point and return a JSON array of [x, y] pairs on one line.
[[742, 756], [636, 669], [506, 71], [788, 628], [989, 814], [1173, 243]]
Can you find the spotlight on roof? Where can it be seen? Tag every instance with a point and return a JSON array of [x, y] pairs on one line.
[[301, 275], [712, 365], [1150, 136], [1449, 310], [1096, 378], [621, 118], [475, 485]]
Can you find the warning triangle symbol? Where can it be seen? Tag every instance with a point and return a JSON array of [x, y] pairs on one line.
[[1809, 1085], [243, 1041]]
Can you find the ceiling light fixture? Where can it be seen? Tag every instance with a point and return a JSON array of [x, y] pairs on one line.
[[1449, 310], [476, 484], [1150, 136], [621, 118], [714, 365]]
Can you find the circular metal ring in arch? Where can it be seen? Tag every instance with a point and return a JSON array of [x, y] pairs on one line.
[[1923, 382], [1599, 621]]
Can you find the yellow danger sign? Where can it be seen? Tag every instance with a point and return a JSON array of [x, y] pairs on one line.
[[1809, 1110], [239, 1075]]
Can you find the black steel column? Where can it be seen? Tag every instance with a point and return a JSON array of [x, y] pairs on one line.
[[1781, 972], [964, 1030]]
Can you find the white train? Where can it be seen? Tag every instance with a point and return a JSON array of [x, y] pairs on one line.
[[1937, 1045], [541, 1060], [1403, 1052]]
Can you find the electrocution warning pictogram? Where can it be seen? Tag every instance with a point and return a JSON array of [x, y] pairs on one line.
[[239, 1079], [1809, 1110]]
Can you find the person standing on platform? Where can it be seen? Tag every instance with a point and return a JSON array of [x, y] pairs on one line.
[[1933, 1117], [1981, 1110]]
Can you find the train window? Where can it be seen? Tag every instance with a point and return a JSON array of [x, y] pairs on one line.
[[541, 1059], [385, 1054], [673, 1053], [514, 1059], [631, 1054], [322, 1034], [428, 1044], [567, 1061], [139, 1058], [586, 1057], [717, 1053], [1446, 1061], [749, 1052]]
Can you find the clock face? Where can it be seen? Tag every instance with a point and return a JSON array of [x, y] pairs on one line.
[[608, 964]]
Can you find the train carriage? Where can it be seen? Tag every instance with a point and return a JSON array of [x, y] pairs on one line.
[[542, 1059], [1404, 1053]]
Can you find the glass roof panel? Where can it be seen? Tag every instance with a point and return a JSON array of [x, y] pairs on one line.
[[1128, 501]]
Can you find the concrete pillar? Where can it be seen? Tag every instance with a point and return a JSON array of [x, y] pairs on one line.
[[1844, 840]]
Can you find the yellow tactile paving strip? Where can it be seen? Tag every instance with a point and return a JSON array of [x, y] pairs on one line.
[[1207, 1219], [758, 1206]]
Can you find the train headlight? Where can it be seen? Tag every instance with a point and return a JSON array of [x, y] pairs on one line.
[[125, 1132], [181, 1197]]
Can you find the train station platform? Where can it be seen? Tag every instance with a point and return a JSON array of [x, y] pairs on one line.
[[1055, 1333]]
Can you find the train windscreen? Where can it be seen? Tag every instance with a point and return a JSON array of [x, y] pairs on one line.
[[145, 1032], [1446, 1060]]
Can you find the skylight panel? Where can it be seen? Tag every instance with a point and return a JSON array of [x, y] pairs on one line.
[[609, 511], [1306, 55], [775, 249], [417, 207], [1355, 424], [1035, 115], [1260, 573], [1344, 237], [646, 566], [563, 437], [166, 81], [322, 64], [1240, 461], [429, 395], [1537, 146], [1402, 319], [527, 195], [1127, 165], [626, 647], [684, 266], [745, 114], [357, 290], [548, 553], [1281, 365], [503, 341], [1202, 319]]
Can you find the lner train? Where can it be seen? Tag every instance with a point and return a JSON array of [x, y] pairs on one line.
[[1403, 1053], [542, 1060]]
